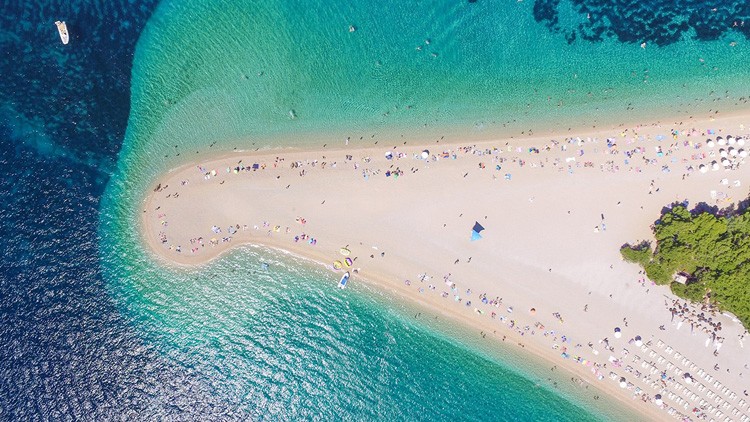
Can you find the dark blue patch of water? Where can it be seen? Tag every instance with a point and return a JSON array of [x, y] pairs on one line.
[[69, 100], [67, 353], [660, 22]]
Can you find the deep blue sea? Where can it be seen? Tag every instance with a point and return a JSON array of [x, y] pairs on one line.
[[91, 328]]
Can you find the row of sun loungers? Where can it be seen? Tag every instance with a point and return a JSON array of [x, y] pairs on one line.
[[684, 397]]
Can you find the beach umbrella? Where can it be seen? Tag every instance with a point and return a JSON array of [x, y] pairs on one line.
[[723, 152], [714, 165], [623, 383], [702, 168], [638, 341], [688, 378], [532, 311], [742, 153], [388, 155], [618, 332], [731, 140], [720, 140], [732, 152], [710, 143], [658, 400], [725, 162], [475, 231], [425, 154], [741, 142]]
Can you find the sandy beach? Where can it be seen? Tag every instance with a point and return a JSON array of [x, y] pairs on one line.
[[546, 274]]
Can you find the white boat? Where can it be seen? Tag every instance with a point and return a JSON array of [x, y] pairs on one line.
[[344, 279], [63, 30]]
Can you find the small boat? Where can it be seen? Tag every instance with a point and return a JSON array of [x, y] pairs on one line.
[[63, 30], [344, 279]]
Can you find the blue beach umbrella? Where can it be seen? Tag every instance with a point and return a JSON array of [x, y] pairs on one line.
[[475, 231]]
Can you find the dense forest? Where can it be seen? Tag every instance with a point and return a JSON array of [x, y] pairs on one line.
[[710, 248]]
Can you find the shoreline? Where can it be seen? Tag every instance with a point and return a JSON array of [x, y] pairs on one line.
[[383, 136], [521, 260]]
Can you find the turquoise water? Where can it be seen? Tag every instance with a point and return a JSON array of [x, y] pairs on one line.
[[211, 76]]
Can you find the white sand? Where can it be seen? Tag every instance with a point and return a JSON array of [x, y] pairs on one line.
[[539, 248]]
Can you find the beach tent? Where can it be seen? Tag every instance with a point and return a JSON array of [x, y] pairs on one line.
[[475, 231]]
